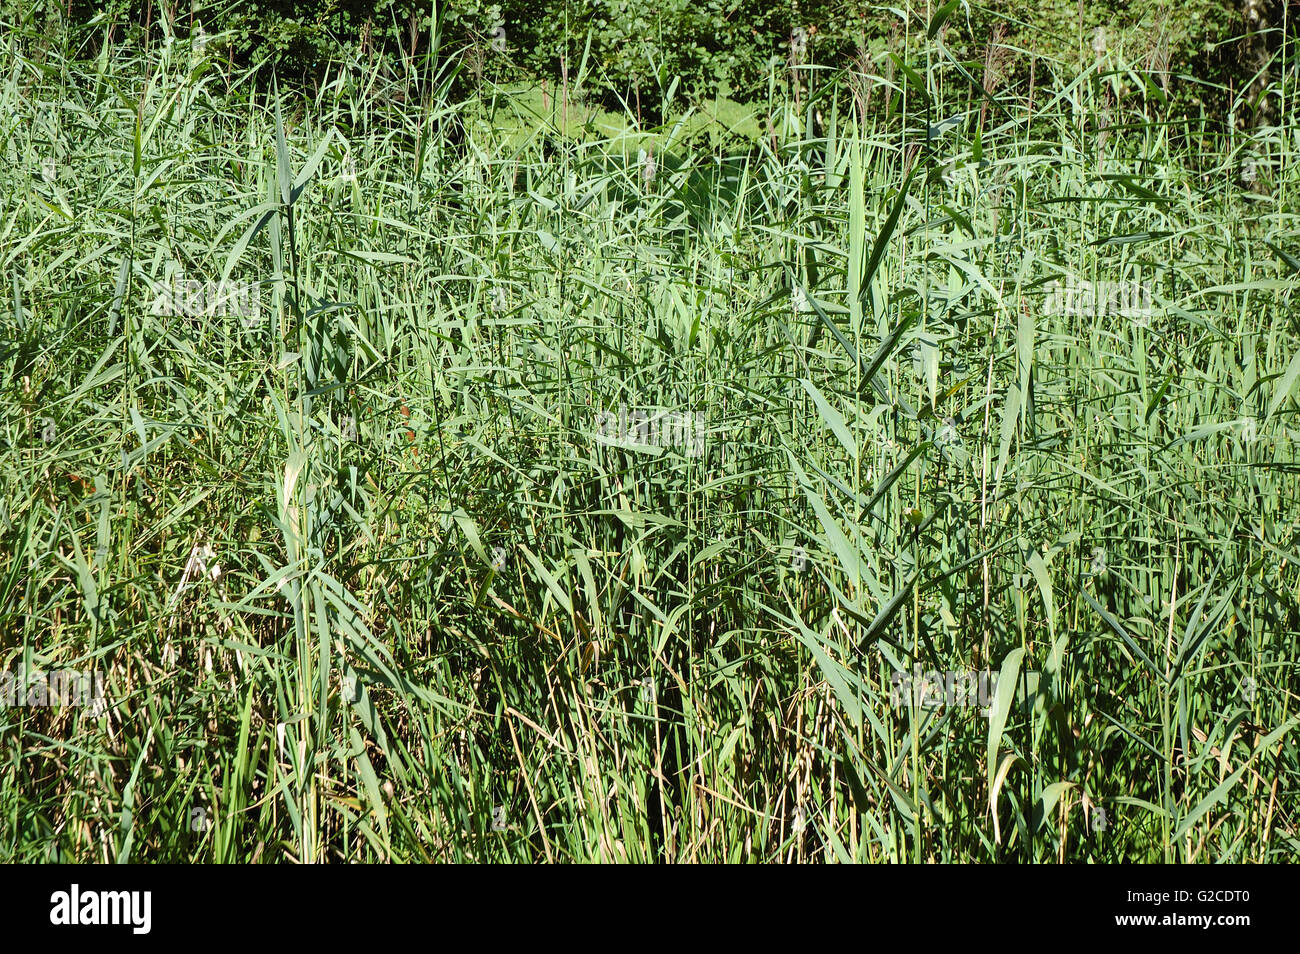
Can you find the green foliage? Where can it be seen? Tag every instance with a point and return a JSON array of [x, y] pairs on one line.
[[369, 579], [637, 52]]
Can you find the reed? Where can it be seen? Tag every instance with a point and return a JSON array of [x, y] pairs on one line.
[[365, 583]]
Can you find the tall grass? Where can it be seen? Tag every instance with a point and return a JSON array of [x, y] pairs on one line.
[[442, 620]]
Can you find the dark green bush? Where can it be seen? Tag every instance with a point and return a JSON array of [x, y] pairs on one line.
[[645, 52]]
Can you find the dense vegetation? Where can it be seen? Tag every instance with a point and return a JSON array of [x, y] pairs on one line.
[[661, 51], [367, 578]]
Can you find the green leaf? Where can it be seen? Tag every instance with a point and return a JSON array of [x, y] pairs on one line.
[[997, 716], [833, 418], [940, 18]]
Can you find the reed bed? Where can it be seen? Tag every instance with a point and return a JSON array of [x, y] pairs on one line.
[[921, 379]]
